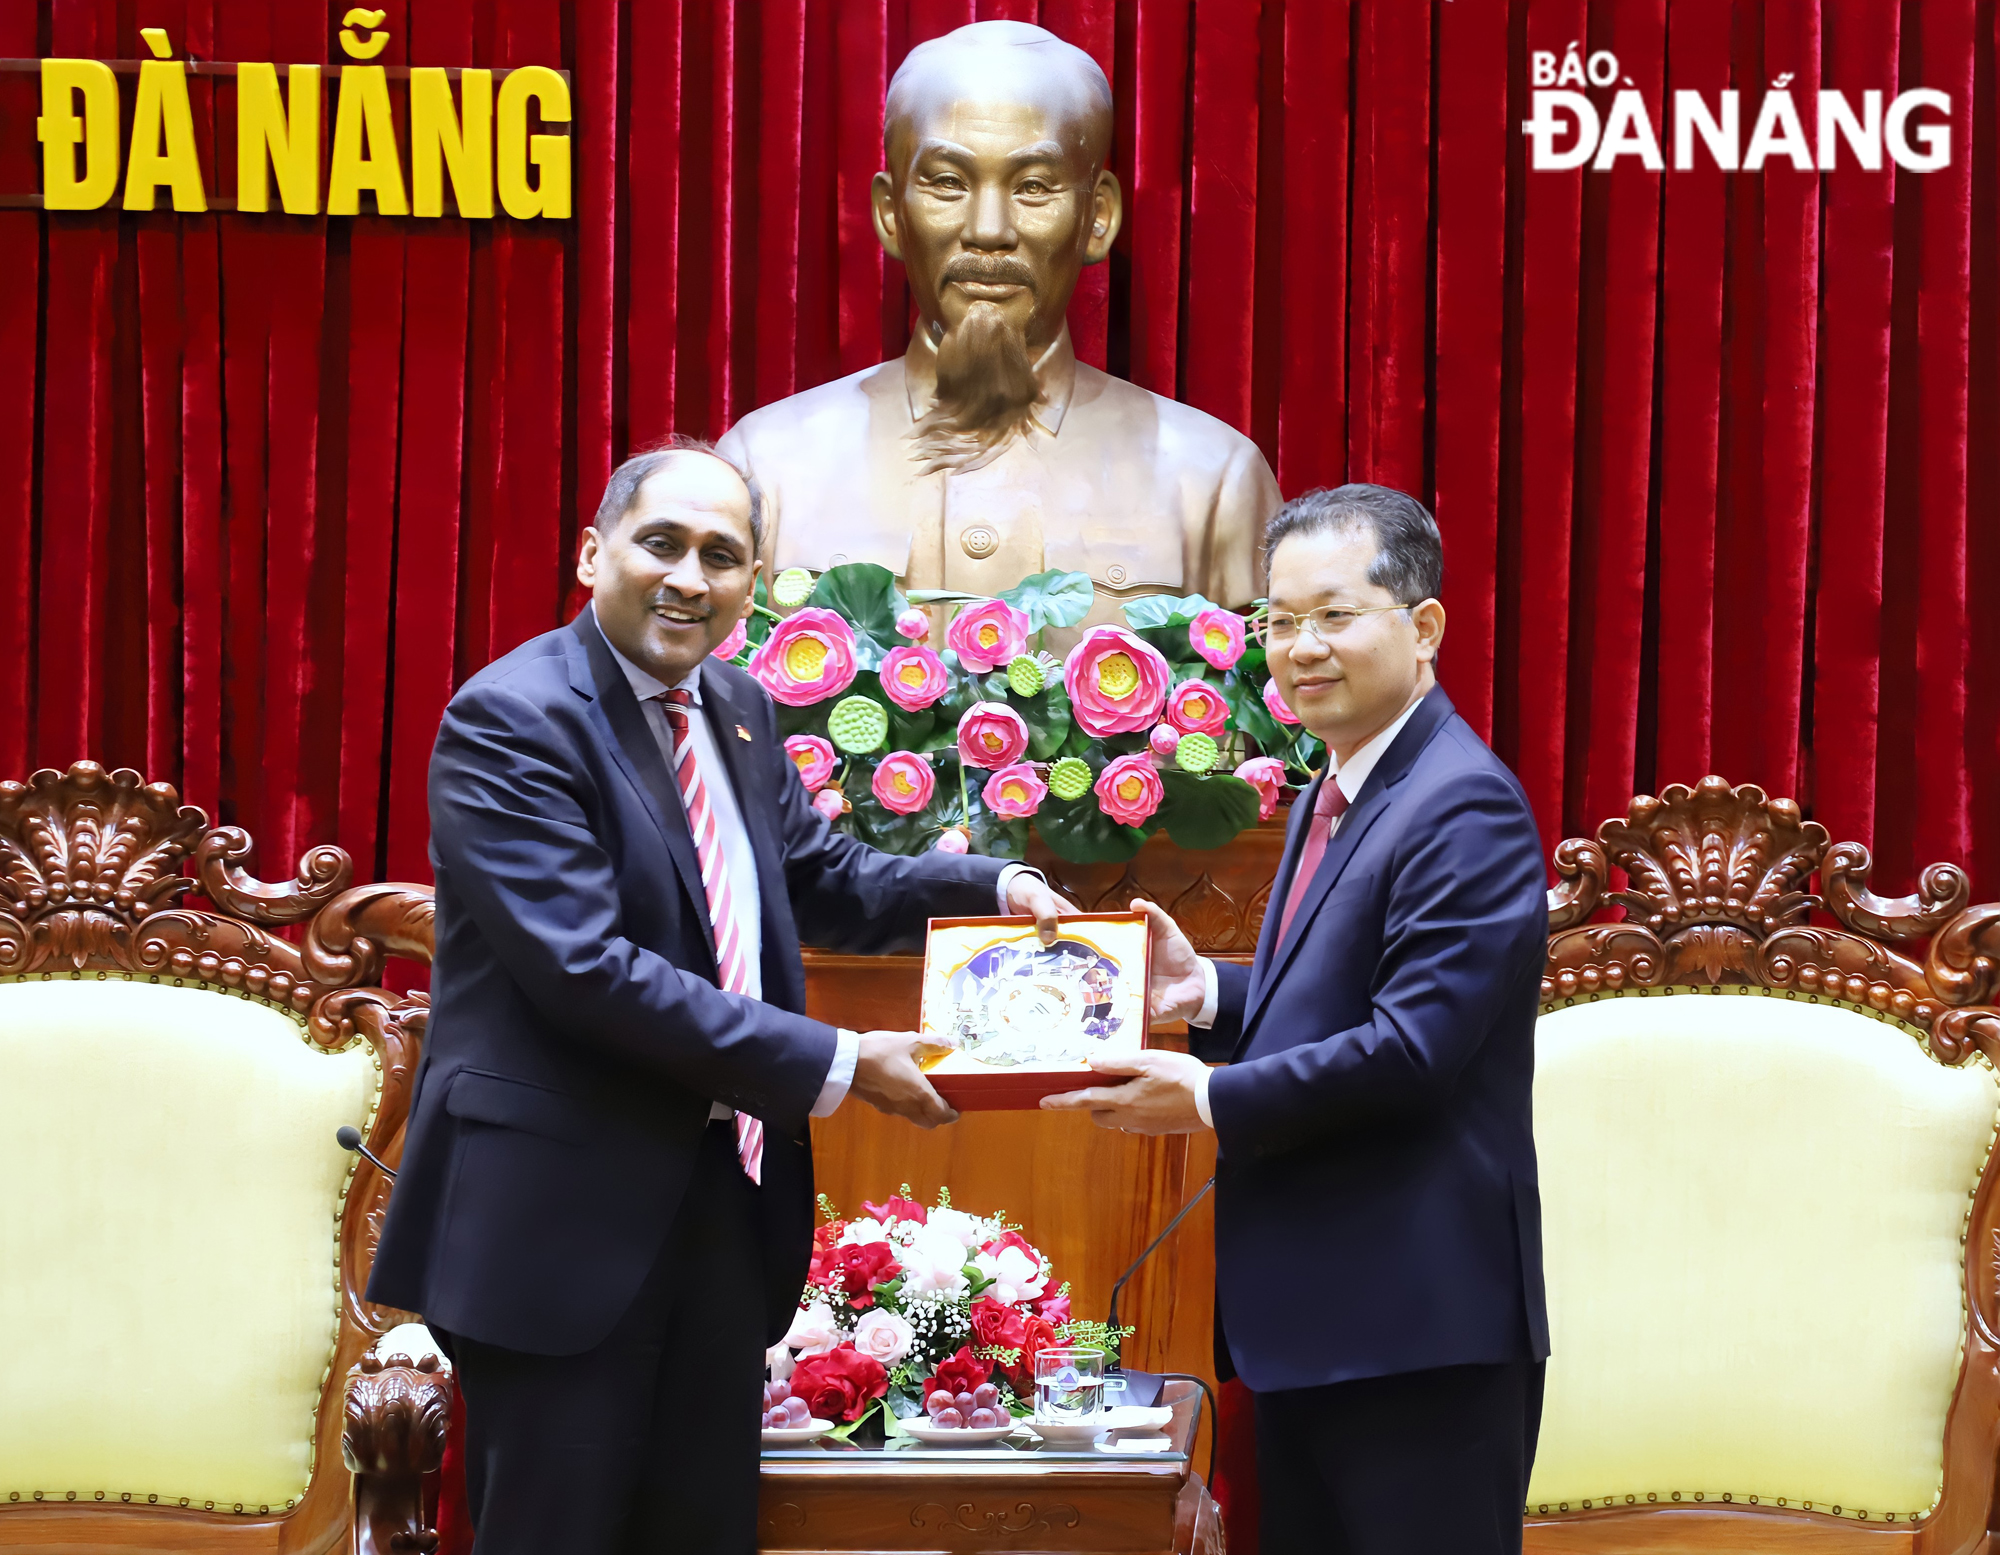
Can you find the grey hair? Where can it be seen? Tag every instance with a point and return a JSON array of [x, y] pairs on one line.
[[1409, 553], [622, 490]]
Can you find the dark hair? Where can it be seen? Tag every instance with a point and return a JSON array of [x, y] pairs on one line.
[[622, 490], [1409, 555]]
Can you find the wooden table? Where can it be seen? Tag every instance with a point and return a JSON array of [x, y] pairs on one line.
[[1005, 1497]]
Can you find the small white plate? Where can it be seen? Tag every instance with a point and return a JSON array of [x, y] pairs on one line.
[[1069, 1433], [1130, 1417], [1138, 1444], [955, 1436], [811, 1431]]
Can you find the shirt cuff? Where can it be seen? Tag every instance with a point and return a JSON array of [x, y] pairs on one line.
[[1206, 1018], [1201, 1099], [839, 1074], [1007, 879]]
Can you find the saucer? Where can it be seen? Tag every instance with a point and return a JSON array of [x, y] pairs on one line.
[[811, 1431], [1068, 1433], [955, 1436]]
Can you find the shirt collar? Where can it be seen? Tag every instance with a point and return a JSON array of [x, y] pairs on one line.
[[644, 686], [1055, 372], [1353, 772]]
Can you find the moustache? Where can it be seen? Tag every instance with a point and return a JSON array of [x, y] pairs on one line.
[[989, 270], [668, 597]]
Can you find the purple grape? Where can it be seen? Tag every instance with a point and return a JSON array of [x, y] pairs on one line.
[[982, 1420], [966, 1403], [776, 1420], [985, 1396], [796, 1411], [949, 1420], [779, 1391], [937, 1403]]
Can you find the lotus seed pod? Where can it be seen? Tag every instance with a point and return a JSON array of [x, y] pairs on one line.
[[1070, 778], [858, 725], [1195, 753], [1025, 675], [791, 588]]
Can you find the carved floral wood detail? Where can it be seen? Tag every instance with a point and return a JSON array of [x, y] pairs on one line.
[[98, 875]]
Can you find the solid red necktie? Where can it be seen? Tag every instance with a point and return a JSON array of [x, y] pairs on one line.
[[1326, 810], [715, 884]]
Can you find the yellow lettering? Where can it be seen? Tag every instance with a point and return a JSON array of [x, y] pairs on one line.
[[517, 150], [364, 146], [437, 136], [61, 131], [270, 140], [161, 110]]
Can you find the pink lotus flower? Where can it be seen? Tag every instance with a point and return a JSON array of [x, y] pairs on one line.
[[1266, 774], [913, 677], [991, 734], [732, 645], [814, 758], [1015, 793], [987, 636], [904, 782], [953, 841], [914, 624], [1129, 790], [831, 803], [1196, 707], [1217, 635], [1116, 682], [808, 657], [1164, 740], [1274, 700]]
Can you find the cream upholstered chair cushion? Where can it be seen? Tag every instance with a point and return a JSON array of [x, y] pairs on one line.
[[169, 1221], [1754, 1210]]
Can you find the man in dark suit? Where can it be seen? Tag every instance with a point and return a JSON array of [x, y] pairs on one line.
[[1377, 1222], [605, 1208]]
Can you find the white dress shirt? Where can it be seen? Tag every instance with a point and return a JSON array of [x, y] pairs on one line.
[[740, 860], [1350, 775]]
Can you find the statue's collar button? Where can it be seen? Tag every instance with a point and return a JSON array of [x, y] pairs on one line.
[[978, 541]]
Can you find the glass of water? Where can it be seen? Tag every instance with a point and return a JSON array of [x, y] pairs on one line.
[[1070, 1385]]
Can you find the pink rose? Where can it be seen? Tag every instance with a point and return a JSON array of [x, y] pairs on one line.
[[1217, 635], [814, 758], [988, 635], [1014, 792], [1196, 707], [904, 782], [898, 1208], [1164, 740], [914, 624], [913, 677], [953, 841], [1274, 700], [991, 734], [1053, 1309], [1116, 682], [1266, 774], [1129, 790], [807, 658], [830, 803], [732, 645]]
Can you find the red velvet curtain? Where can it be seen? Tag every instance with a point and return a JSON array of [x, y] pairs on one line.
[[271, 486]]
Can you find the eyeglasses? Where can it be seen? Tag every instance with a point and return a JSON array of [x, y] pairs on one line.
[[1279, 628]]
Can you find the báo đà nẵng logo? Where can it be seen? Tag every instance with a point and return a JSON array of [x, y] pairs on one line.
[[1568, 131]]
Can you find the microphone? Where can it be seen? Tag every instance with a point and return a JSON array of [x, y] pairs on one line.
[[348, 1137], [1111, 1319]]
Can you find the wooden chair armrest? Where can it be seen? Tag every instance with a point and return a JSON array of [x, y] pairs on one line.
[[397, 1412]]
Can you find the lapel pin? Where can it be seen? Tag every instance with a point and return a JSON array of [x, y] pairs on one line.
[[742, 733]]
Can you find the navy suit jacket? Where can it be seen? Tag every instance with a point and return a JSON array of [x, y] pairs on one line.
[[1376, 1202], [577, 1034]]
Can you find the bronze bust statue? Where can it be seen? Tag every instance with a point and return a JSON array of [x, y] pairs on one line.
[[988, 451]]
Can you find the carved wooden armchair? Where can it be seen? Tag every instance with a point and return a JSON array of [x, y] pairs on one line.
[[185, 1244], [1772, 1236]]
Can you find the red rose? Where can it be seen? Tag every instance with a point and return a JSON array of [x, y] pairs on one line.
[[997, 1325], [1036, 1336], [840, 1384], [861, 1266], [956, 1374], [1053, 1308], [898, 1208]]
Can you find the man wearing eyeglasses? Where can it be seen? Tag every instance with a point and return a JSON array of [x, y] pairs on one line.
[[1377, 1222]]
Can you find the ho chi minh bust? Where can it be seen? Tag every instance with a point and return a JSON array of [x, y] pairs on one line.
[[988, 451]]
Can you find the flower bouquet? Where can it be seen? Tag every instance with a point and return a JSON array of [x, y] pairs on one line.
[[904, 1303], [1166, 723]]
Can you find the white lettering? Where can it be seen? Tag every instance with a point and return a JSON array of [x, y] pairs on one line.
[[1936, 138], [1547, 126], [1628, 131], [1724, 140], [1864, 135], [1778, 130], [1610, 63], [1542, 67], [1572, 69]]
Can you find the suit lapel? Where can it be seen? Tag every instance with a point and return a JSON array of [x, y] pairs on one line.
[[636, 751], [725, 716]]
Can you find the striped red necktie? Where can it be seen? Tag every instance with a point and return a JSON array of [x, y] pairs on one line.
[[1326, 810], [729, 954]]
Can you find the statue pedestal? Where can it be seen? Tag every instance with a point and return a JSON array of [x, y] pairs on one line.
[[1089, 1198]]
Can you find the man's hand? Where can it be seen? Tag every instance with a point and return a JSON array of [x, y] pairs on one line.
[[1180, 988], [1158, 1100], [1029, 896], [888, 1078]]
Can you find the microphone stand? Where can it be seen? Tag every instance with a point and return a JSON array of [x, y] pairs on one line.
[[348, 1137], [1111, 1322]]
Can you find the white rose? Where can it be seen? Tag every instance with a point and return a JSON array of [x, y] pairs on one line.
[[813, 1330], [934, 1265], [955, 1223], [885, 1336], [863, 1230], [1016, 1277], [778, 1361]]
